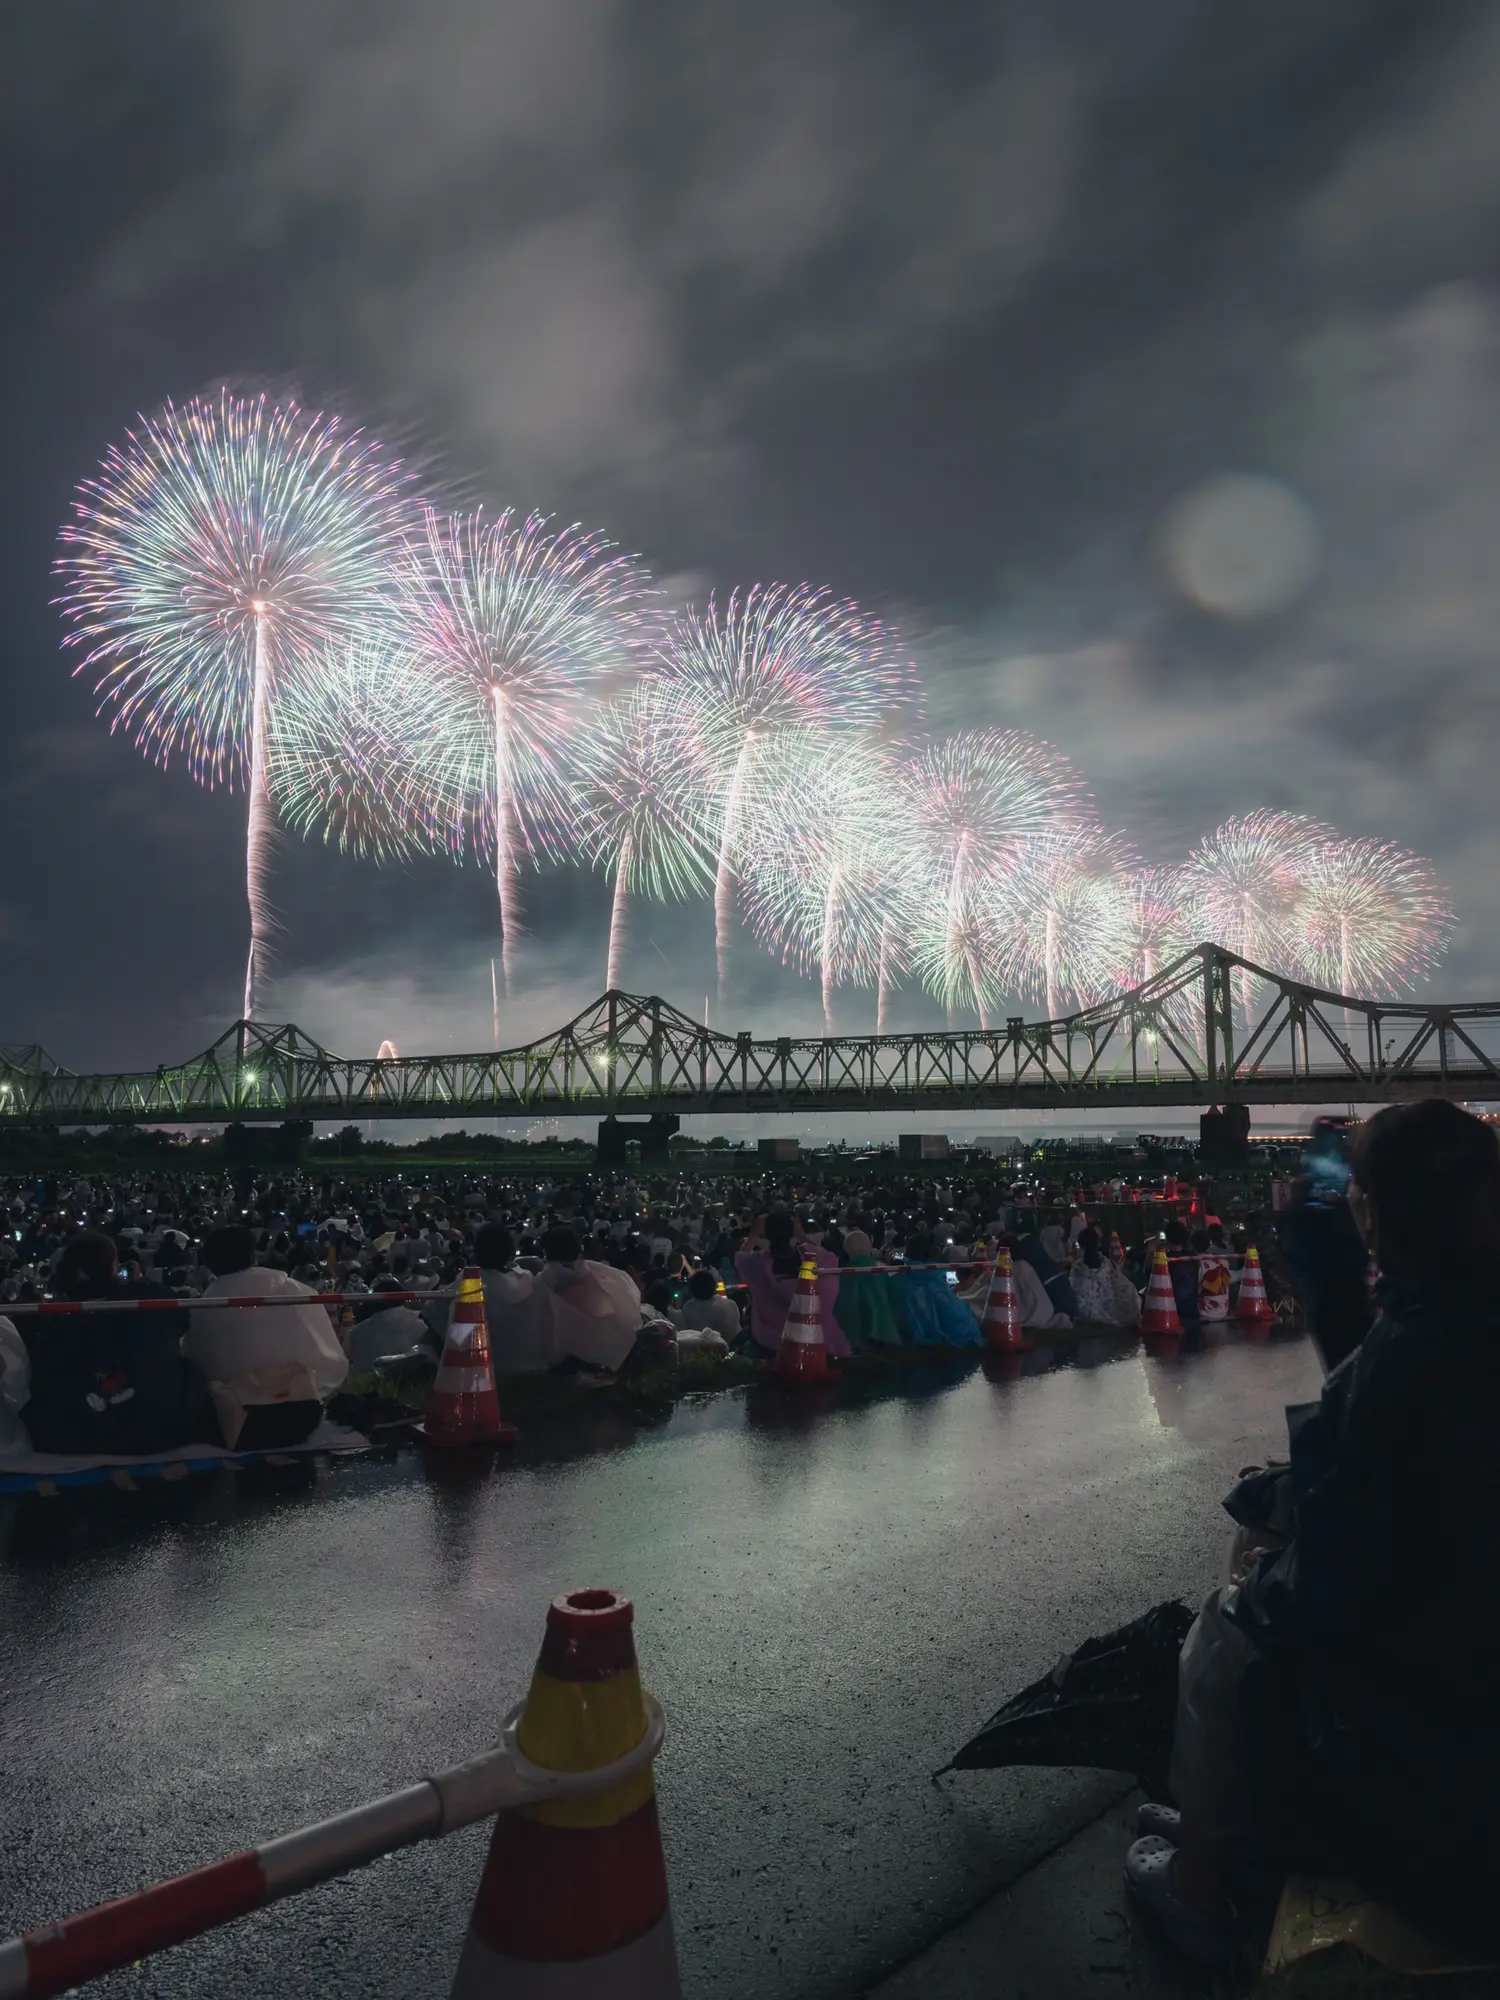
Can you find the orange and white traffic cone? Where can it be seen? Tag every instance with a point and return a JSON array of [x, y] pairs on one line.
[[1001, 1325], [464, 1407], [803, 1353], [1116, 1248], [1159, 1314], [1252, 1303], [573, 1900]]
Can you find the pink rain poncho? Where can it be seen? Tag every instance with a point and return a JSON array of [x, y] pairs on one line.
[[771, 1295]]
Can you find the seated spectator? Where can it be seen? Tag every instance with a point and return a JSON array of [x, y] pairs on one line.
[[589, 1312], [707, 1309], [930, 1314], [1336, 1708], [268, 1367], [1105, 1295], [1038, 1314], [113, 1384], [866, 1307], [15, 1388], [1184, 1271], [1053, 1277], [769, 1265], [381, 1331], [511, 1312]]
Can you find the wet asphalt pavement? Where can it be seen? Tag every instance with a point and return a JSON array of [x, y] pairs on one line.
[[832, 1590]]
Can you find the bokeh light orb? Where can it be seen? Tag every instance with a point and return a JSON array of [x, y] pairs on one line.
[[1241, 545]]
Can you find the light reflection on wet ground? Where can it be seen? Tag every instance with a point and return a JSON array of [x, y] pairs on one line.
[[833, 1587]]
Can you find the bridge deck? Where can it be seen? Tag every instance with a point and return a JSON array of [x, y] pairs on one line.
[[1213, 1028]]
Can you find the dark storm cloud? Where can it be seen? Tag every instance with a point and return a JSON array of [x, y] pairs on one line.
[[945, 306]]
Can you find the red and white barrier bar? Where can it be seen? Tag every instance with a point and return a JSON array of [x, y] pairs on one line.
[[64, 1955], [64, 1308], [61, 1308]]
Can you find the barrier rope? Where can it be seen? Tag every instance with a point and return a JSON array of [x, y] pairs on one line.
[[69, 1308], [61, 1956]]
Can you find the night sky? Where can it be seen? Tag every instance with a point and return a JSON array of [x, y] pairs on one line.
[[958, 309]]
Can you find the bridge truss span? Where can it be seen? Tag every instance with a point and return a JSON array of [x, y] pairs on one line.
[[1212, 1028]]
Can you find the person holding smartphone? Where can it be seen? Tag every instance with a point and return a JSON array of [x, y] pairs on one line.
[[1336, 1707]]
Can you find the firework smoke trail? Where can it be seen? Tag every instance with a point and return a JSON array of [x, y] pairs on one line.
[[776, 659], [1243, 883], [638, 810], [509, 623], [824, 858], [1064, 931], [976, 800], [1371, 919], [221, 549]]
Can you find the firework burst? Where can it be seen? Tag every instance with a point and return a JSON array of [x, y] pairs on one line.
[[774, 660], [1370, 919], [1242, 887], [339, 758], [1064, 911], [827, 851], [508, 623], [637, 810], [222, 549], [977, 801], [1154, 929], [956, 947]]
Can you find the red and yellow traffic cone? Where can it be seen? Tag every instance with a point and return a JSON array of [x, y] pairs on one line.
[[1159, 1314], [1253, 1305], [464, 1407], [803, 1353], [1001, 1325], [573, 1900]]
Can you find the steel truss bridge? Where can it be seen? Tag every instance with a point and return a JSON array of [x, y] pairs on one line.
[[1210, 1029]]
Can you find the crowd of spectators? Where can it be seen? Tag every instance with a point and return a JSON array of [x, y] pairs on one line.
[[575, 1270]]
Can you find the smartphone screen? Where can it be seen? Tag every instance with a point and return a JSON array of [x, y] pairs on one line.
[[1325, 1159]]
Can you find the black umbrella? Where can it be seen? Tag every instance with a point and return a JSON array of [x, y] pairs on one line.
[[1110, 1706]]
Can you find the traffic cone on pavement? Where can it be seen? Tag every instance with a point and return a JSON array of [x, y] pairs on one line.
[[1253, 1303], [1372, 1279], [1116, 1248], [803, 1355], [573, 1900], [1001, 1325], [464, 1407], [1159, 1314]]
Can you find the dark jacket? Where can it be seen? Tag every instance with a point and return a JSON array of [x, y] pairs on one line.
[[114, 1384], [1372, 1702], [1054, 1277]]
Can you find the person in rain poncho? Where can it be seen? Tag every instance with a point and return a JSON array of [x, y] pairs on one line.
[[930, 1314], [866, 1307], [226, 1345], [512, 1312], [769, 1265], [381, 1331], [1105, 1295], [586, 1311]]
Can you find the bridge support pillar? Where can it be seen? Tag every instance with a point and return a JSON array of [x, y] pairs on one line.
[[654, 1135], [1224, 1136]]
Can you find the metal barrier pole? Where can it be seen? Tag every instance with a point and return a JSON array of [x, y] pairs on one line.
[[64, 1955]]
